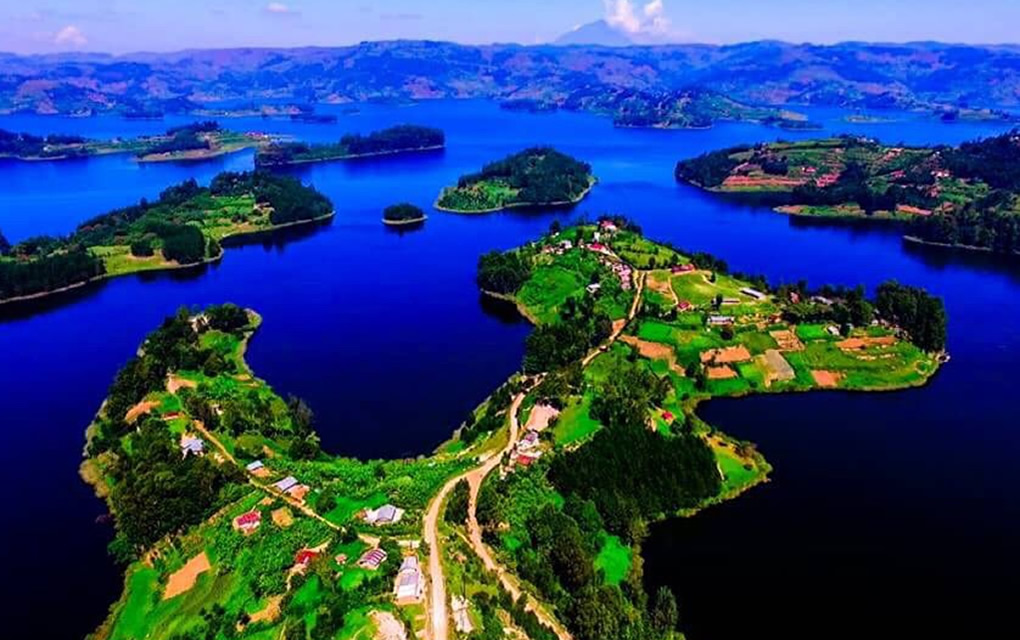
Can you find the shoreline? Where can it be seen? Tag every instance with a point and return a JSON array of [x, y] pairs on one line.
[[516, 205], [218, 153], [405, 223], [357, 156], [958, 247], [232, 239]]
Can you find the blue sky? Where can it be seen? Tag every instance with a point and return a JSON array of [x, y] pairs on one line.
[[31, 26]]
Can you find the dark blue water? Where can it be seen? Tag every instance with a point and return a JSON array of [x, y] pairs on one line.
[[386, 337]]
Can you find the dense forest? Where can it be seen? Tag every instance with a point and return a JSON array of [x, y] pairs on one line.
[[579, 329], [404, 212], [502, 272], [187, 137], [26, 145], [539, 175], [402, 138], [173, 222]]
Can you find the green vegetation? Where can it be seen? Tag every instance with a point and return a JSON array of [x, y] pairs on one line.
[[173, 507], [403, 214], [540, 176], [625, 447], [399, 139], [197, 141], [185, 226], [964, 196]]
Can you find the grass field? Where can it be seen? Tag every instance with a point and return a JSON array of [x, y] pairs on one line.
[[614, 560]]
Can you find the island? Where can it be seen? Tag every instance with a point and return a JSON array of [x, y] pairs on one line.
[[404, 214], [536, 177], [198, 141], [963, 196], [186, 227], [393, 141], [233, 522]]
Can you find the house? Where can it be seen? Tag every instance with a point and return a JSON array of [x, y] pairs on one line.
[[173, 415], [409, 586], [754, 293], [567, 245], [593, 287], [597, 246], [833, 330], [372, 559], [286, 484], [731, 301], [822, 300], [192, 446], [607, 225], [683, 268], [299, 491], [684, 305], [527, 459], [258, 469], [794, 297], [386, 514], [461, 616], [304, 557], [341, 559], [667, 416], [248, 522], [529, 441], [720, 321]]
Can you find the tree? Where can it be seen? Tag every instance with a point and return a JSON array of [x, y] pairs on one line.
[[457, 505], [5, 245], [664, 616]]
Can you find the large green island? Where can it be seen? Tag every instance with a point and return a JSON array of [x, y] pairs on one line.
[[233, 523], [185, 227], [191, 142], [393, 141], [964, 196], [536, 177]]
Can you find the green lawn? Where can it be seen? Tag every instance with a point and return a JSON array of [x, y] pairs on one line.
[[614, 559], [575, 423]]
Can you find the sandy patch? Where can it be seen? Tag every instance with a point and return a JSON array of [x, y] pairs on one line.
[[661, 286], [787, 340], [541, 415], [720, 373], [727, 355], [777, 366], [854, 344], [175, 383], [140, 409], [184, 578], [271, 613], [748, 182], [827, 379], [618, 325], [387, 627], [282, 517], [914, 211], [653, 350]]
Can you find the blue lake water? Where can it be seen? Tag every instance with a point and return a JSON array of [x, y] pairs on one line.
[[878, 501]]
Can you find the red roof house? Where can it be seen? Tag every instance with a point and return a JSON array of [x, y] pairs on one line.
[[667, 416], [305, 556]]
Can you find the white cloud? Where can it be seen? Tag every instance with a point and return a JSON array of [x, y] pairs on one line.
[[70, 36], [648, 19], [279, 8]]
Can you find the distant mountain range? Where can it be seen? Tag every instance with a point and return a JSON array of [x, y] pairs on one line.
[[953, 80]]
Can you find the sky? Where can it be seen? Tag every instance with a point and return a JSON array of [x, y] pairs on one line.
[[120, 26]]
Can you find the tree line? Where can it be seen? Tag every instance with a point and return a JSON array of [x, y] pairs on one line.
[[392, 140]]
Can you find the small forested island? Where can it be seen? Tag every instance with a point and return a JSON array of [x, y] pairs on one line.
[[392, 141], [198, 141], [233, 522], [963, 197], [540, 176], [403, 214], [184, 227]]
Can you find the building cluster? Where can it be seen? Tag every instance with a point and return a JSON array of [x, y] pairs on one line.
[[384, 515], [291, 487]]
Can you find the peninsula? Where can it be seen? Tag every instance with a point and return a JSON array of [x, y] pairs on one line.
[[185, 227], [393, 141], [529, 516], [536, 177], [965, 196], [198, 141]]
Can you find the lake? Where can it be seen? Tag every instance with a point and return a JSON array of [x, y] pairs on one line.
[[883, 506]]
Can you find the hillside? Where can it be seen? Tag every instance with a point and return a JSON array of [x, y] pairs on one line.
[[951, 79], [966, 196]]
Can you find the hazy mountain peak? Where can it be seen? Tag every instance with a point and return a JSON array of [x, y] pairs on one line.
[[599, 32]]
